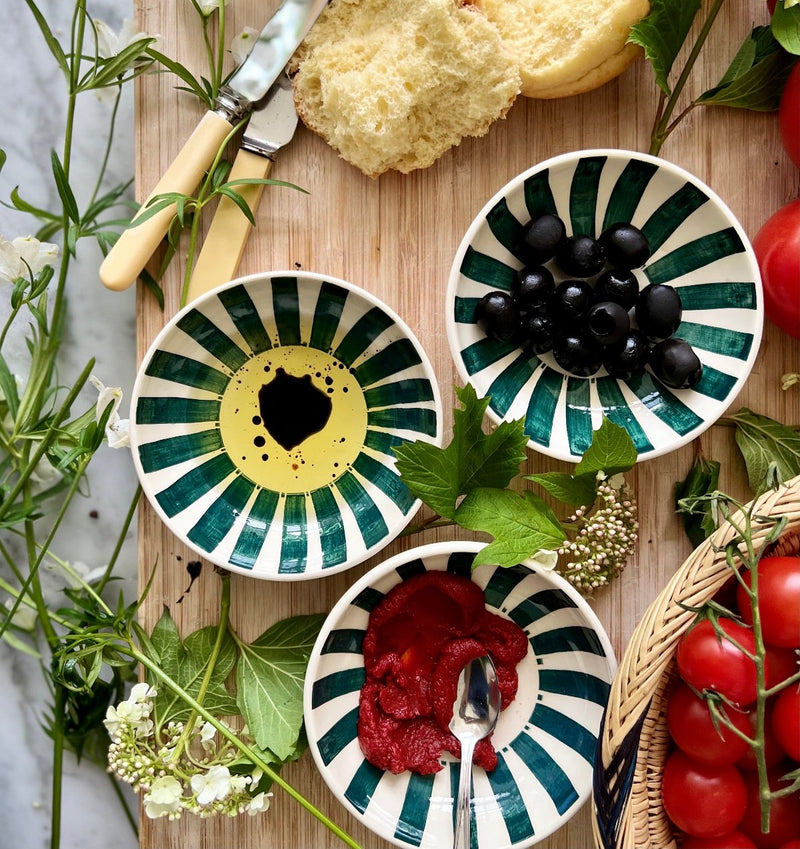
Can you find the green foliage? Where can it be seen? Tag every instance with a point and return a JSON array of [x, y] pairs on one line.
[[786, 26], [697, 512], [771, 450]]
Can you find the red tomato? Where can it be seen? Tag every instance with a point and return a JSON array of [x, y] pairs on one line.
[[771, 6], [780, 664], [778, 600], [789, 116], [690, 725], [731, 840], [709, 662], [773, 753], [790, 844], [784, 814], [785, 720], [777, 247], [702, 800]]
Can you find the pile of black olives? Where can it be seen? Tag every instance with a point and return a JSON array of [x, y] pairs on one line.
[[596, 316]]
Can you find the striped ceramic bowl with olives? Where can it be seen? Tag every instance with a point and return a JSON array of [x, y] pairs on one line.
[[605, 283]]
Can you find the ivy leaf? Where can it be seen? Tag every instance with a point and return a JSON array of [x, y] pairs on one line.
[[662, 33], [771, 450], [186, 661], [786, 26], [698, 513], [520, 524], [612, 451], [269, 678], [473, 459], [756, 76]]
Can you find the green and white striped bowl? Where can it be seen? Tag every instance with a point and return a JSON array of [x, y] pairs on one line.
[[213, 471], [545, 739], [698, 247]]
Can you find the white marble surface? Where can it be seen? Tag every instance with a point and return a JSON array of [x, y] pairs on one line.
[[100, 324]]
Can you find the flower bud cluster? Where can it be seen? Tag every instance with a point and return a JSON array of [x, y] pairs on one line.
[[606, 537], [177, 770]]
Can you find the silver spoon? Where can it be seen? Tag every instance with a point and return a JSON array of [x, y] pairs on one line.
[[475, 713]]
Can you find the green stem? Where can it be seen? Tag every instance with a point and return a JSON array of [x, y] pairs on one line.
[[222, 629], [663, 128], [253, 756], [220, 49], [109, 144], [58, 766], [120, 540], [427, 524]]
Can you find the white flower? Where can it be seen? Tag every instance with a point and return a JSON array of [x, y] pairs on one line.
[[616, 481], [44, 476], [258, 804], [141, 692], [242, 44], [207, 733], [76, 574], [117, 429], [25, 256], [163, 797], [110, 43], [211, 785], [544, 560], [24, 617], [208, 7], [239, 783]]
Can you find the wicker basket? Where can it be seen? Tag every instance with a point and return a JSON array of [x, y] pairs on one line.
[[634, 741]]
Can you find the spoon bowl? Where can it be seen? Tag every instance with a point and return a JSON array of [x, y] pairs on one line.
[[475, 713]]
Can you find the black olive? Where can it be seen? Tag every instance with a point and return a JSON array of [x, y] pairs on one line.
[[533, 288], [618, 285], [579, 355], [675, 363], [625, 246], [658, 311], [540, 238], [497, 315], [580, 256], [572, 299], [537, 332], [628, 357], [607, 322]]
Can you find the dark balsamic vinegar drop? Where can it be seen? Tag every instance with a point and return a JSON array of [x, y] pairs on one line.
[[292, 408]]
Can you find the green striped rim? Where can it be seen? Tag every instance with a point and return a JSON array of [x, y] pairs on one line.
[[414, 813], [571, 682], [532, 609], [583, 194], [565, 729], [344, 731], [361, 335], [162, 453], [337, 684], [367, 599], [579, 415], [212, 527], [555, 781], [671, 214], [696, 254], [203, 331], [504, 226], [394, 358], [363, 785], [186, 371], [382, 441], [418, 419], [406, 391], [570, 638], [486, 269], [286, 309], [515, 816], [327, 315], [720, 340], [294, 542], [411, 567], [240, 307], [661, 402], [718, 296], [370, 520], [331, 528], [507, 385], [542, 406], [460, 563], [385, 479], [194, 484], [539, 195], [616, 410], [501, 584], [254, 532], [176, 410], [464, 309], [627, 191], [347, 640], [484, 353]]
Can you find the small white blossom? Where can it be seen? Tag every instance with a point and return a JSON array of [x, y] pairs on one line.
[[208, 7], [207, 733], [110, 43], [141, 692], [44, 476], [24, 617], [163, 797], [74, 574], [242, 44], [117, 429], [212, 785], [259, 804], [544, 559], [25, 256]]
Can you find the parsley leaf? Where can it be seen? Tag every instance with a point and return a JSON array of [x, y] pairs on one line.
[[473, 459], [520, 524], [662, 33]]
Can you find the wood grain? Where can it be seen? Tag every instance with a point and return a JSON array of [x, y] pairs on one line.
[[396, 236]]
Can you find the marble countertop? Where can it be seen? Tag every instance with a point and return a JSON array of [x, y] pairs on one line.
[[101, 324]]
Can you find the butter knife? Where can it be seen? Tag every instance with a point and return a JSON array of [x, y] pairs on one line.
[[270, 128], [253, 79]]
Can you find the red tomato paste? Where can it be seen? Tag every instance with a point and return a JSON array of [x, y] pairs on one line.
[[419, 638]]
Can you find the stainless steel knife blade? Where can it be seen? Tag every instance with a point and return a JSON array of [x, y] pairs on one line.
[[272, 124]]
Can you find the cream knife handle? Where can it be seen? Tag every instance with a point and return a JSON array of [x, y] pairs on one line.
[[224, 243], [138, 243]]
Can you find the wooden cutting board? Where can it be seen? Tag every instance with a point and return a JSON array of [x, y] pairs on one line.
[[396, 236]]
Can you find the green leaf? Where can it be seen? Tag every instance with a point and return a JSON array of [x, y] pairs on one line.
[[184, 74], [269, 678], [185, 662], [698, 513], [786, 26], [239, 201], [23, 205], [64, 189], [473, 459], [611, 451], [771, 450], [50, 39], [3, 157], [520, 524], [662, 34], [755, 78], [578, 490]]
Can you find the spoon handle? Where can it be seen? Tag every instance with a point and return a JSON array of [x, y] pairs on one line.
[[461, 836]]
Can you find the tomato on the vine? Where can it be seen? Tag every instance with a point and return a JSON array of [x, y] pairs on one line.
[[731, 840], [786, 720], [707, 661], [780, 664], [773, 753], [692, 728], [778, 599], [789, 115], [784, 814], [777, 248], [702, 800]]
